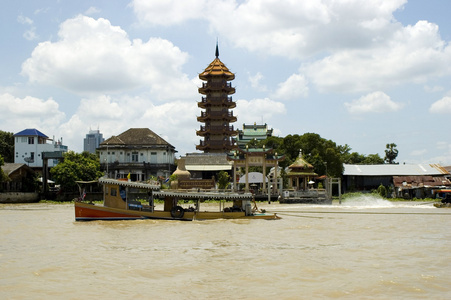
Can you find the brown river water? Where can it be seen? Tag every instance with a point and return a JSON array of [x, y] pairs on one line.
[[365, 248]]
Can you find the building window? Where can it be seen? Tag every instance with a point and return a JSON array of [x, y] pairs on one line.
[[30, 140], [134, 156], [32, 155]]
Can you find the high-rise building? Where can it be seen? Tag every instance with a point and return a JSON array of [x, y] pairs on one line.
[[216, 105], [92, 141]]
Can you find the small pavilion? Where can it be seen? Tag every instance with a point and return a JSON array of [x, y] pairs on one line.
[[299, 174]]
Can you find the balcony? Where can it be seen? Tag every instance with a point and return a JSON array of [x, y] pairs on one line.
[[215, 145], [225, 130], [217, 115], [215, 86], [216, 101]]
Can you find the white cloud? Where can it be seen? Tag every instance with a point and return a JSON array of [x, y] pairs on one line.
[[29, 34], [92, 11], [29, 111], [301, 28], [362, 47], [24, 20], [92, 56], [412, 54], [377, 102], [258, 109], [433, 89], [255, 82], [442, 106], [174, 121], [293, 88]]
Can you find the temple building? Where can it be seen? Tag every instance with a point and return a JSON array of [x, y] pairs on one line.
[[252, 132], [216, 105]]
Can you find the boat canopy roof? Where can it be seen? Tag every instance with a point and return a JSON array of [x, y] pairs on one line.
[[138, 185], [202, 195]]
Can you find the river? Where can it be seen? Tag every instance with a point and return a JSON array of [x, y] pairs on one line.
[[362, 249]]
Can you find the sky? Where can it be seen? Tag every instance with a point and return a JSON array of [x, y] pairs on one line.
[[362, 73]]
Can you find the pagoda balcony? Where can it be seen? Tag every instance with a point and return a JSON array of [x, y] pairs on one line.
[[216, 144], [211, 101], [224, 130], [215, 86], [217, 115]]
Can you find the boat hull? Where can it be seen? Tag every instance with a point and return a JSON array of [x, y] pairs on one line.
[[90, 212]]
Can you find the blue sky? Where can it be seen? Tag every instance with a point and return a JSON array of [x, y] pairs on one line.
[[359, 72]]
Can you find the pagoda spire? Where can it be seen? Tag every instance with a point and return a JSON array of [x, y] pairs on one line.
[[217, 50]]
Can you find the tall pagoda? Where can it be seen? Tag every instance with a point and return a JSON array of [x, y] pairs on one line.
[[216, 105]]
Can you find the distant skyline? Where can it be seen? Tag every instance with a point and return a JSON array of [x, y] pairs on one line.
[[361, 73]]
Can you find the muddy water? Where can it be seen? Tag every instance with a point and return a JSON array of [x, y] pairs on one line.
[[362, 249]]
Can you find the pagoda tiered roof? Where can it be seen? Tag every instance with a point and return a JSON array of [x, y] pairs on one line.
[[216, 69]]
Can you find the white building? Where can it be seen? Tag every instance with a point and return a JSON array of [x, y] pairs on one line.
[[29, 145], [138, 152], [92, 141]]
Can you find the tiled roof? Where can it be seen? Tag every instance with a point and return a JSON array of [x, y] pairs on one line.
[[136, 136], [300, 163], [31, 132], [216, 68]]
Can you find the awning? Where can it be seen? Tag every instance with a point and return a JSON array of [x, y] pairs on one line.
[[254, 177]]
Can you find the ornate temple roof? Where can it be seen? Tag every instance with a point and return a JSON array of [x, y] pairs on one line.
[[216, 69], [300, 164]]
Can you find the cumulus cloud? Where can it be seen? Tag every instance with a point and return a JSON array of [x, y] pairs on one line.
[[31, 111], [255, 82], [257, 109], [414, 54], [442, 106], [174, 121], [93, 56], [377, 102], [293, 88], [289, 28]]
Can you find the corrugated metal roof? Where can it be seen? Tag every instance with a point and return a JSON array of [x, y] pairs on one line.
[[394, 170]]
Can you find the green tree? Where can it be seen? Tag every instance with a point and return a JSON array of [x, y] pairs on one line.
[[382, 191], [3, 176], [223, 179], [391, 153], [7, 146], [76, 167]]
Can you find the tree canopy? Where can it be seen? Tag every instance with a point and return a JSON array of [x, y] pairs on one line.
[[7, 146], [325, 155], [391, 153], [76, 167]]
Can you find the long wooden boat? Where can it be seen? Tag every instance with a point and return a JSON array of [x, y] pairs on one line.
[[119, 203]]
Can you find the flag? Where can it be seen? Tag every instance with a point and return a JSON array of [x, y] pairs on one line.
[[128, 176]]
